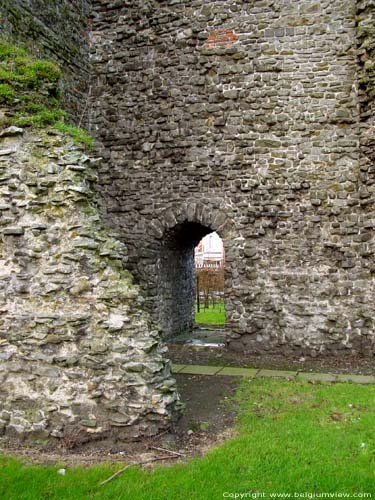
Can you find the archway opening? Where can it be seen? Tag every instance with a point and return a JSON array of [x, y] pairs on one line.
[[177, 280], [209, 281]]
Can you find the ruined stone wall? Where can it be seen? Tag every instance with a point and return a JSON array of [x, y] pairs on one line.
[[56, 30], [79, 358], [242, 117], [366, 74]]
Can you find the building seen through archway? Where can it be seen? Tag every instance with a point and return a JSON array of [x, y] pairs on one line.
[[191, 282], [209, 259]]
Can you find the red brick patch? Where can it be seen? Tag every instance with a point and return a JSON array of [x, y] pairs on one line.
[[221, 38]]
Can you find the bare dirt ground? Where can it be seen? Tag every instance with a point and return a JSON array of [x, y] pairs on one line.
[[221, 356], [207, 421]]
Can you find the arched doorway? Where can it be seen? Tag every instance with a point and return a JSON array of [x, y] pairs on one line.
[[177, 279]]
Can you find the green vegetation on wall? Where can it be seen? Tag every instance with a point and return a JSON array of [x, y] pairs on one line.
[[30, 92]]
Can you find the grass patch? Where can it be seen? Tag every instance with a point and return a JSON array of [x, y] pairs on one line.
[[39, 119], [79, 135], [292, 437], [213, 315], [30, 90]]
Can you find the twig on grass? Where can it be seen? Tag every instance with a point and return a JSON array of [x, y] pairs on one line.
[[133, 464]]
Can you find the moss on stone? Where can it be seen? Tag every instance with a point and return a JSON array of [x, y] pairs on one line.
[[78, 135], [7, 94], [30, 89]]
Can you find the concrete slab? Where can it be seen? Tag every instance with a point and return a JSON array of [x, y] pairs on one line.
[[356, 379], [276, 373], [177, 368], [321, 377], [201, 370], [232, 371]]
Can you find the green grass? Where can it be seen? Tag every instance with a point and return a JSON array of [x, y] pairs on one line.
[[214, 315], [30, 90], [78, 135], [292, 437]]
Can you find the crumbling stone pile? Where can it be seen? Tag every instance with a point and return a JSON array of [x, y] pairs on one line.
[[78, 355]]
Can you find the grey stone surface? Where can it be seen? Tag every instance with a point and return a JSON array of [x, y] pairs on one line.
[[253, 119], [276, 373], [356, 379], [176, 368], [77, 351], [201, 369], [317, 377], [238, 372], [246, 118]]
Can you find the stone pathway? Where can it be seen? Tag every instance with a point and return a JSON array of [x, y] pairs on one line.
[[257, 373]]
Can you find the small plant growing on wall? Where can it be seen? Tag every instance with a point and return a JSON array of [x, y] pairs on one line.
[[30, 92]]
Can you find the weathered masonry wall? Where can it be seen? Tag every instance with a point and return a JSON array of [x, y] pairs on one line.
[[56, 30], [244, 118], [79, 357]]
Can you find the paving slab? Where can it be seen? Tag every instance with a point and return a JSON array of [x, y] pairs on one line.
[[177, 368], [356, 379], [276, 373], [255, 372], [322, 377], [232, 371], [201, 370]]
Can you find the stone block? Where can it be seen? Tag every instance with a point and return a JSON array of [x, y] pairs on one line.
[[176, 368], [317, 377], [233, 371], [356, 379], [276, 373], [200, 370]]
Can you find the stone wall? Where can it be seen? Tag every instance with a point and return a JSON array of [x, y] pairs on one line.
[[56, 30], [366, 73], [244, 118], [254, 119], [79, 358]]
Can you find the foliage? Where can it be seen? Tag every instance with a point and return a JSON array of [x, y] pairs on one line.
[[7, 93], [79, 135], [291, 437], [32, 81], [30, 89], [38, 119]]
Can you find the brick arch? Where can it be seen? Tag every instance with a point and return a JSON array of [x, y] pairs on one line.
[[218, 219]]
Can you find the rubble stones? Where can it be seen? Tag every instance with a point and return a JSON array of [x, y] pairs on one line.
[[64, 306]]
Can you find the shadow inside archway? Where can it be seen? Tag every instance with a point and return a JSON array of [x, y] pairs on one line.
[[177, 285]]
